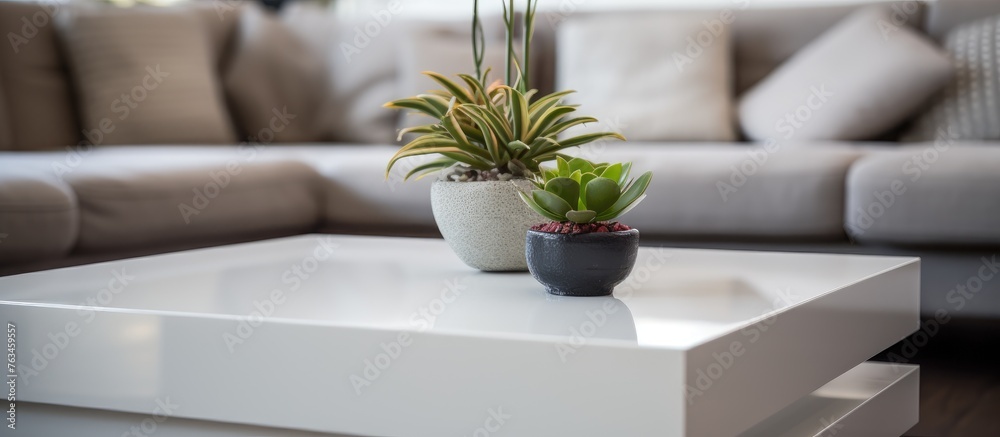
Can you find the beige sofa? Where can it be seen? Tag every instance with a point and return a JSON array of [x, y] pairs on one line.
[[63, 204]]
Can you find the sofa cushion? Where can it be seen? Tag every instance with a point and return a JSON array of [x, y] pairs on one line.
[[38, 212], [739, 191], [35, 79], [221, 21], [361, 69], [357, 194], [145, 76], [822, 93], [274, 83], [136, 196], [798, 191], [766, 37], [970, 104], [939, 193], [763, 36], [638, 75]]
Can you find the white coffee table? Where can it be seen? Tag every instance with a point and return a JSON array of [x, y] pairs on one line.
[[396, 337]]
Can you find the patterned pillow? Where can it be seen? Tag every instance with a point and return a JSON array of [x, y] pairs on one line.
[[970, 106]]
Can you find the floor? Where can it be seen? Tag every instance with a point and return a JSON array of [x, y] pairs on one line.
[[959, 381]]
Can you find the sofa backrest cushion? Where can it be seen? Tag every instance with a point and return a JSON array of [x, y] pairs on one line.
[[40, 111], [855, 82], [361, 68], [273, 82], [762, 37], [969, 107], [636, 76], [145, 76], [35, 78]]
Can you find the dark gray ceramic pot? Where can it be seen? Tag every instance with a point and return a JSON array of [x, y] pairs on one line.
[[581, 264]]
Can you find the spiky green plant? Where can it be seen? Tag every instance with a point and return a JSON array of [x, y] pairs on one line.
[[580, 191], [500, 127]]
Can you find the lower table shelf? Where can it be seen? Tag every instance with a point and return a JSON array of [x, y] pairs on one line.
[[871, 400]]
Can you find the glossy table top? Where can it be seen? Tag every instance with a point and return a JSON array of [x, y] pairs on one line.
[[675, 298]]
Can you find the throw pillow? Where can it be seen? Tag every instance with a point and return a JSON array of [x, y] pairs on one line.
[[857, 81], [34, 81], [145, 76], [274, 83], [969, 107], [658, 77]]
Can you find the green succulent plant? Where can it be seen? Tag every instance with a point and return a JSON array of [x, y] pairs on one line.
[[496, 126], [580, 191]]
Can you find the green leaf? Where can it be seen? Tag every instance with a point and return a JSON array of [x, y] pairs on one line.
[[538, 208], [562, 167], [416, 104], [551, 203], [492, 146], [425, 129], [546, 102], [580, 164], [550, 173], [484, 121], [613, 172], [430, 167], [585, 216], [631, 197], [519, 114], [589, 138], [626, 169], [454, 151], [558, 128], [460, 93], [576, 175], [477, 88], [601, 194], [547, 119], [584, 180], [567, 189]]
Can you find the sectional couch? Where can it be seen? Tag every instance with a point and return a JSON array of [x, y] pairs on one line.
[[65, 202]]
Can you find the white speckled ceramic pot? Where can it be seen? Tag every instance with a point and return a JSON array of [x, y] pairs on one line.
[[485, 223]]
